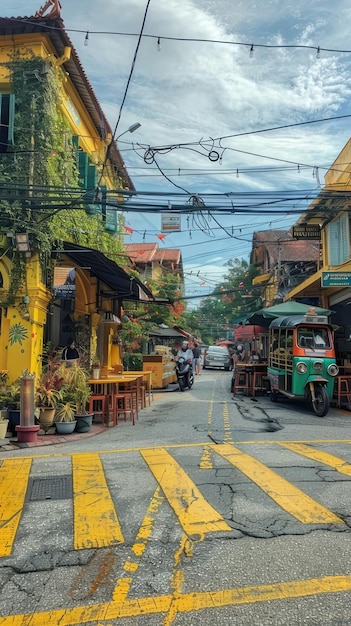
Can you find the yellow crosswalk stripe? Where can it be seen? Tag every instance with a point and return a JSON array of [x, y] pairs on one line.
[[318, 455], [194, 513], [14, 476], [96, 523], [289, 497]]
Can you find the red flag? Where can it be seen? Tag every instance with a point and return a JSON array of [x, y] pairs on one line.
[[161, 236], [128, 229]]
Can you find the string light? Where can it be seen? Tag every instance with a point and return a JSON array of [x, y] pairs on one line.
[[237, 173], [86, 40], [318, 52], [251, 51], [159, 44]]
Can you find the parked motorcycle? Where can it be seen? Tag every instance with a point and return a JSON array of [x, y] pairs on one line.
[[185, 374]]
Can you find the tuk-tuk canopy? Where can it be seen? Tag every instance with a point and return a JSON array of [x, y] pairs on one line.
[[293, 320], [285, 309]]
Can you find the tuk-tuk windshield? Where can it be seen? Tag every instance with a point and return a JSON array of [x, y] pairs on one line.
[[315, 338]]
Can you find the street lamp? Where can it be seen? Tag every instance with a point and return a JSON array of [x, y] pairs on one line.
[[131, 129]]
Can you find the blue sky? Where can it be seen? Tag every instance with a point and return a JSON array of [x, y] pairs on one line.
[[189, 91]]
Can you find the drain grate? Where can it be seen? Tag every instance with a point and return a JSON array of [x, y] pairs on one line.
[[50, 488]]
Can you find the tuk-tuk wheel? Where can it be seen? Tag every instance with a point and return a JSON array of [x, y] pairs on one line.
[[321, 402]]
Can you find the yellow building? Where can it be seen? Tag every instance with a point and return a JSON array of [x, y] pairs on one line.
[[58, 161], [329, 215]]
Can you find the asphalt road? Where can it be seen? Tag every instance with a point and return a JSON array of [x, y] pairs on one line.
[[208, 511]]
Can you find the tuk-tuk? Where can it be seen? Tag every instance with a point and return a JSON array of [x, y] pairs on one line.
[[301, 359]]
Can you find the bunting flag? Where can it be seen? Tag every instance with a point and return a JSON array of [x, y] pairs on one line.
[[128, 229], [202, 284], [161, 236]]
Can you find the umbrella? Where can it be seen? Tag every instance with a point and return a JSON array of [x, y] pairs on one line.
[[285, 308], [248, 332]]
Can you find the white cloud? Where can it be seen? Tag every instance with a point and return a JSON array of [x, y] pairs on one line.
[[192, 90]]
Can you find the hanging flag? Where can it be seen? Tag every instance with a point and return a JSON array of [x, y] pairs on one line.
[[128, 229], [161, 236]]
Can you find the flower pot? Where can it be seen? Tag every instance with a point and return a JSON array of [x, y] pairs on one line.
[[27, 434], [84, 423], [3, 428], [65, 428], [95, 373], [14, 419], [46, 417]]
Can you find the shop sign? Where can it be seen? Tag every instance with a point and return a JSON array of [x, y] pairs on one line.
[[336, 279], [307, 231], [64, 283]]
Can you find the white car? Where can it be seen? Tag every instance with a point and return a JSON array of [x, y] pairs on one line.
[[217, 356]]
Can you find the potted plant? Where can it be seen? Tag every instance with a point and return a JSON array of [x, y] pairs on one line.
[[77, 391], [11, 399], [95, 369], [3, 379], [4, 422], [65, 422], [47, 396]]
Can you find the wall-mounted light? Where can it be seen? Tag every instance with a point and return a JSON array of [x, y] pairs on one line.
[[22, 242]]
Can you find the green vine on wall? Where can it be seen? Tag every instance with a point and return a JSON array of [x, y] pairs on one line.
[[40, 169]]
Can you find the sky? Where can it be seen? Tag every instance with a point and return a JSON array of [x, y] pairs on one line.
[[255, 66]]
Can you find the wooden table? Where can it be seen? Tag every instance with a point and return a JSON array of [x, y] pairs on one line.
[[111, 385], [253, 373]]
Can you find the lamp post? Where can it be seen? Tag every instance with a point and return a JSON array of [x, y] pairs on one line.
[[131, 129]]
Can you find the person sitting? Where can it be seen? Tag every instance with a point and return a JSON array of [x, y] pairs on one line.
[[70, 353]]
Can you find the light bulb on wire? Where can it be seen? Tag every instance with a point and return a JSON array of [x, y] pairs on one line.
[[86, 40]]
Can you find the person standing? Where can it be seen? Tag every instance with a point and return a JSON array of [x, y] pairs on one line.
[[197, 358]]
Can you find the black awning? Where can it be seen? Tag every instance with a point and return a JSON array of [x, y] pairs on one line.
[[122, 286]]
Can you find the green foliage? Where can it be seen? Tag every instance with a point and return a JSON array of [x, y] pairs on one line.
[[133, 361]]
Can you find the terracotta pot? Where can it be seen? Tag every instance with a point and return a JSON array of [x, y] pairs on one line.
[[46, 417]]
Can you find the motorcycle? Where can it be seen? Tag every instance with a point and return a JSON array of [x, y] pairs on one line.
[[184, 372]]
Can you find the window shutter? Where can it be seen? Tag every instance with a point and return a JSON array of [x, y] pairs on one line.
[[83, 169], [10, 134], [333, 243], [344, 238]]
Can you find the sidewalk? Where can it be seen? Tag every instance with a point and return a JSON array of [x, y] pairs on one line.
[[51, 438]]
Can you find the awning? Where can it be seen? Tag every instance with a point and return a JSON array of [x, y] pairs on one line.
[[166, 333], [122, 286]]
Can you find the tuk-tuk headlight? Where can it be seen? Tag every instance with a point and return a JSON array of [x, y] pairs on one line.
[[301, 367], [318, 365], [333, 369]]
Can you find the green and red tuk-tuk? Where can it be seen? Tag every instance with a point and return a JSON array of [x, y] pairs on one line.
[[301, 359]]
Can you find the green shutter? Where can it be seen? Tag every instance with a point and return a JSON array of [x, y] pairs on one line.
[[10, 134], [83, 169], [333, 243], [92, 175], [344, 238]]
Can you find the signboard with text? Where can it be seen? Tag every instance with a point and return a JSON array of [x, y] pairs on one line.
[[336, 279], [307, 231], [170, 222]]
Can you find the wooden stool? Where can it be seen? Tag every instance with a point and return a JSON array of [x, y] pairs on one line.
[[242, 381], [344, 389], [123, 403], [258, 382], [99, 406]]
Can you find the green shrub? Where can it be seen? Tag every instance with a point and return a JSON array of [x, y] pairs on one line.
[[133, 361]]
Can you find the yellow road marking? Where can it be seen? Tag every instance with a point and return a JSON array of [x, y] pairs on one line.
[[13, 486], [194, 513], [183, 603], [318, 455], [96, 523], [123, 584], [252, 442], [289, 497]]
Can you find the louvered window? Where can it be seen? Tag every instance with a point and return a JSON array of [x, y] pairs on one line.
[[339, 240], [7, 114]]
